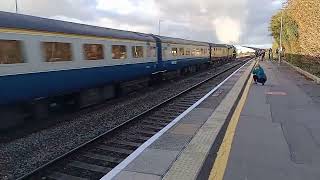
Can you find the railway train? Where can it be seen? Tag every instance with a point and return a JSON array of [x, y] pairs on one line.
[[45, 61]]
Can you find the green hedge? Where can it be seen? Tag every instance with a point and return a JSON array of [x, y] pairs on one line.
[[307, 63]]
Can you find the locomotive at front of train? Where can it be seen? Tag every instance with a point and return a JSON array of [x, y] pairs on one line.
[[221, 53]]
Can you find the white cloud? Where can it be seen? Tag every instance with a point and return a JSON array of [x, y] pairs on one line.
[[126, 7], [228, 30], [108, 23], [118, 6]]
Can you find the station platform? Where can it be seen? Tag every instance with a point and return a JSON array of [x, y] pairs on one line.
[[278, 133], [239, 130]]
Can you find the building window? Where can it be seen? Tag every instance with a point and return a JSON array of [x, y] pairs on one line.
[[10, 52], [174, 51], [57, 51], [137, 51], [181, 51], [119, 52], [151, 51], [188, 52], [93, 51]]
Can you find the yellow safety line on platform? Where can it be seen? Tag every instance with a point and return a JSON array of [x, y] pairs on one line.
[[220, 164]]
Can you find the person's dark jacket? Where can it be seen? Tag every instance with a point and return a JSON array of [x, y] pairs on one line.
[[259, 72]]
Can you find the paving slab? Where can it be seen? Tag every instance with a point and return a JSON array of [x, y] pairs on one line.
[[153, 161], [198, 116], [170, 141], [185, 129], [127, 175]]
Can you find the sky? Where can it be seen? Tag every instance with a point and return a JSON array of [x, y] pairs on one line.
[[241, 22]]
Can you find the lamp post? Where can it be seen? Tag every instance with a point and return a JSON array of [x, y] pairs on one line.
[[16, 1], [281, 27]]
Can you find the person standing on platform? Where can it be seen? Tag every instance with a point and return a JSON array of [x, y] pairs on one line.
[[263, 55], [258, 75], [270, 54]]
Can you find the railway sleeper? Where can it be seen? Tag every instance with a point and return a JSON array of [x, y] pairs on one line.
[[90, 167], [171, 110], [102, 157], [156, 123], [153, 127], [148, 133], [115, 149], [59, 175], [166, 113], [164, 117], [160, 119], [128, 143]]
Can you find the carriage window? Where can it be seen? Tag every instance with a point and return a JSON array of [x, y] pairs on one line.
[[181, 51], [57, 51], [165, 52], [93, 51], [137, 51], [188, 52], [151, 52], [198, 52], [194, 52], [174, 51], [10, 52], [119, 52], [201, 52]]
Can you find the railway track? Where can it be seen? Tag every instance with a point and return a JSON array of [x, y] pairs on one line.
[[97, 157]]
